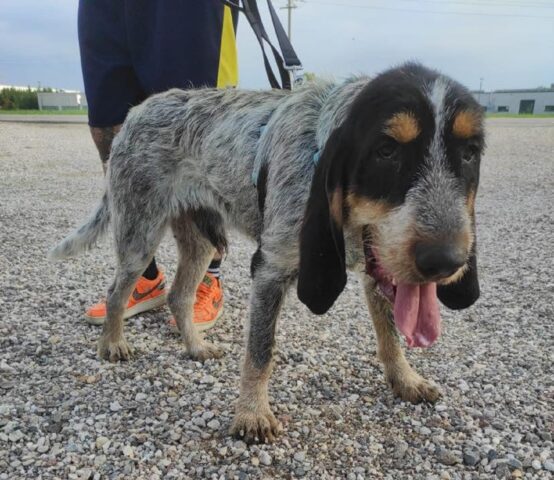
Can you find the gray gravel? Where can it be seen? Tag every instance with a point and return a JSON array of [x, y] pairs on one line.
[[65, 414]]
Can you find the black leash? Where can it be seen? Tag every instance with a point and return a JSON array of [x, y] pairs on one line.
[[288, 63], [290, 69]]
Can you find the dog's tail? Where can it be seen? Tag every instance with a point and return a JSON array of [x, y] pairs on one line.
[[86, 235]]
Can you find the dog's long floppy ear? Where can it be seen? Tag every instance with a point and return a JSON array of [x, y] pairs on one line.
[[322, 274], [465, 292]]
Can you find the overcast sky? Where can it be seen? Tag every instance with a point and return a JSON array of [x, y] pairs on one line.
[[508, 43]]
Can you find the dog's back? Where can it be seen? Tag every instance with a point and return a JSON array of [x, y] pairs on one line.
[[195, 149], [207, 148]]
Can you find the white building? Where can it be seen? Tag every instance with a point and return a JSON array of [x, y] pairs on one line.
[[534, 101], [18, 87], [61, 100]]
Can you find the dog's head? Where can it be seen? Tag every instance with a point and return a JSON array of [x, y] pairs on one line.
[[404, 165]]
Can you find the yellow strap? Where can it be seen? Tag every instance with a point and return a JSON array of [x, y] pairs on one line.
[[228, 73]]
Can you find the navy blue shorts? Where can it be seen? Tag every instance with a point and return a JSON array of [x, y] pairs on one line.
[[133, 48]]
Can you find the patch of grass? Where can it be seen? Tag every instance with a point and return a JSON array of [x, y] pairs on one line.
[[44, 112], [520, 115]]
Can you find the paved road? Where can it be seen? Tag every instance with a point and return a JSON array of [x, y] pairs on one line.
[[6, 117]]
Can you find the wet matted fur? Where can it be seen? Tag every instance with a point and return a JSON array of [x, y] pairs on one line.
[[375, 175]]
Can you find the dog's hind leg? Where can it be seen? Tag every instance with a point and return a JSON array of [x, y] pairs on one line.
[[254, 419], [134, 249], [195, 253], [405, 382], [112, 345]]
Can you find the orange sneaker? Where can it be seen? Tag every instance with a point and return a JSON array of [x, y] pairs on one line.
[[147, 295], [208, 306]]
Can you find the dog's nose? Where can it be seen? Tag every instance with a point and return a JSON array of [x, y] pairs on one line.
[[438, 260]]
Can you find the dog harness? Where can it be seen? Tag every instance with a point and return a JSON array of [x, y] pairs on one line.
[[259, 162], [259, 173]]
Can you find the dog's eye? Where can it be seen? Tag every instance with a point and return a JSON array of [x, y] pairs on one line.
[[387, 150], [469, 154]]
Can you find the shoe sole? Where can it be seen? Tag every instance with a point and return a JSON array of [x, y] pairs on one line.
[[132, 311], [200, 327]]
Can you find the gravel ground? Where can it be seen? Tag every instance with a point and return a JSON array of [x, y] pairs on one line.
[[65, 414]]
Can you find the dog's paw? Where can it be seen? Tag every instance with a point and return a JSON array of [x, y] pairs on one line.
[[411, 387], [114, 351], [205, 351], [255, 427]]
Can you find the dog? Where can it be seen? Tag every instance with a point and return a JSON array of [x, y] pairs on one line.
[[375, 175]]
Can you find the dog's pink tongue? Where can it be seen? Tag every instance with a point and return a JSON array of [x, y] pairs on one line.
[[416, 313]]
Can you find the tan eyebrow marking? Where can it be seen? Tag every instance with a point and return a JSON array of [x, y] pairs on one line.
[[403, 127], [466, 124], [364, 210]]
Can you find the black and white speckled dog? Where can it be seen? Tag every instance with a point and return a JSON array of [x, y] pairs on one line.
[[391, 196]]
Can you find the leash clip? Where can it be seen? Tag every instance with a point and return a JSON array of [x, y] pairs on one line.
[[296, 74]]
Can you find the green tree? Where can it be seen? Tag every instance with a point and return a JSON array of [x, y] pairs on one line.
[[12, 99]]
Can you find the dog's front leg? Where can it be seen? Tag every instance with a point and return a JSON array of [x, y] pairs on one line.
[[405, 382], [254, 420]]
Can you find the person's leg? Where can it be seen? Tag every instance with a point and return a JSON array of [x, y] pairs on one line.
[[112, 88], [183, 45], [103, 137]]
